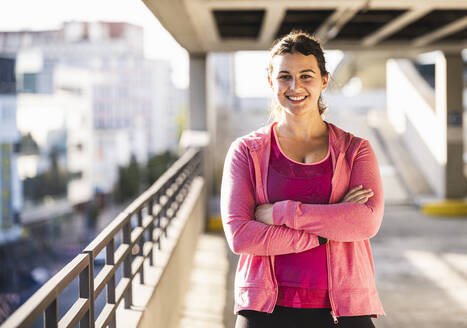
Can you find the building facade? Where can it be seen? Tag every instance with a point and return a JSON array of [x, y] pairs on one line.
[[115, 102], [10, 184]]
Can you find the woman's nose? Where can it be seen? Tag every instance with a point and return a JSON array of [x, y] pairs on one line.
[[293, 84]]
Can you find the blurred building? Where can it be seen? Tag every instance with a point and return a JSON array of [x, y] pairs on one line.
[[62, 122], [10, 184], [235, 116], [162, 126], [111, 102]]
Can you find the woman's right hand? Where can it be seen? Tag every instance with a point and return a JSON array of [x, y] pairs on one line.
[[357, 195]]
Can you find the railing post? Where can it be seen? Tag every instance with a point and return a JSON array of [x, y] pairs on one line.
[[151, 230], [158, 217], [164, 208], [141, 245], [172, 197], [86, 290], [127, 264], [51, 315], [110, 260]]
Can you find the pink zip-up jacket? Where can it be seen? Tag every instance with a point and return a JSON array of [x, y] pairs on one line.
[[347, 226]]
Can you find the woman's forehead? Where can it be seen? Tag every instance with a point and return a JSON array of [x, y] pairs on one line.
[[293, 61]]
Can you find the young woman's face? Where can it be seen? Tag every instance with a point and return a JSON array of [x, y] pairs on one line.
[[296, 82]]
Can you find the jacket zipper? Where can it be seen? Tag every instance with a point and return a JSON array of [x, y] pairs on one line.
[[263, 198], [274, 280], [328, 253], [331, 299]]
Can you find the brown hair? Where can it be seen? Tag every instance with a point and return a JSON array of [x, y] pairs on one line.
[[306, 44]]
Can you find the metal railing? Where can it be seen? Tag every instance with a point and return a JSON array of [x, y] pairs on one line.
[[129, 240]]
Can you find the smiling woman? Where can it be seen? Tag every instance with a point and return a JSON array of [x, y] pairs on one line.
[[293, 53], [300, 199]]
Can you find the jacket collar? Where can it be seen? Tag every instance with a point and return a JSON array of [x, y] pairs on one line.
[[261, 138]]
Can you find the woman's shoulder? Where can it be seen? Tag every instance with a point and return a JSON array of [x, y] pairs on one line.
[[349, 143], [354, 147], [254, 139], [344, 139]]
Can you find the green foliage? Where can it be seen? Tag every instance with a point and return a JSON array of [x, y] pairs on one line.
[[51, 183], [157, 165], [28, 145], [133, 178], [129, 181], [182, 121]]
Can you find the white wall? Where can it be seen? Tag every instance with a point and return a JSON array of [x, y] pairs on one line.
[[411, 110], [112, 149]]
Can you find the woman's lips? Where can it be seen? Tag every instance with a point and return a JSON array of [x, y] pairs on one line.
[[296, 99]]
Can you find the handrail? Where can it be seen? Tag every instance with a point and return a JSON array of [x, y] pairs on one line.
[[45, 299], [140, 228]]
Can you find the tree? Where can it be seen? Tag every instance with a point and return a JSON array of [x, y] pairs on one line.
[[182, 121], [27, 145], [129, 181], [51, 183], [157, 165]]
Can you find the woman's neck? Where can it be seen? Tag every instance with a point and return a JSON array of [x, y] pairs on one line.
[[302, 128]]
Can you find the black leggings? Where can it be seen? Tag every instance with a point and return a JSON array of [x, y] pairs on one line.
[[287, 317]]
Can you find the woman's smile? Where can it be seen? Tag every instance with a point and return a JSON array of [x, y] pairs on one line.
[[296, 99]]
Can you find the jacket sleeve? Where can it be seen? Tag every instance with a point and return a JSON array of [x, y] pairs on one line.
[[341, 221], [244, 234]]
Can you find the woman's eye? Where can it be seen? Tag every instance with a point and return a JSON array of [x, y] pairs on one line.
[[284, 77]]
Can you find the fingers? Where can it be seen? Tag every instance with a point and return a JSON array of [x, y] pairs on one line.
[[363, 198], [356, 188], [358, 195]]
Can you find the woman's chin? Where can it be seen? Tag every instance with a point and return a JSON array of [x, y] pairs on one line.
[[299, 110]]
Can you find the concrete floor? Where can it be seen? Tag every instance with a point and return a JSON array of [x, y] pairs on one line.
[[421, 269]]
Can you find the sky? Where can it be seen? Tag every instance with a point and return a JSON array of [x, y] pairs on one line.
[[50, 14]]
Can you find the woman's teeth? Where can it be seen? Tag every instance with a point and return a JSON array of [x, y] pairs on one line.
[[296, 98]]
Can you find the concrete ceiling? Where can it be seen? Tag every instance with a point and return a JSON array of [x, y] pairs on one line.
[[387, 26]]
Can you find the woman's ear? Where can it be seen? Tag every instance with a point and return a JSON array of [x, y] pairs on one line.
[[325, 80], [269, 79]]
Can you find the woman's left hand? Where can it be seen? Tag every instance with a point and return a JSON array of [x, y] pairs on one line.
[[263, 213]]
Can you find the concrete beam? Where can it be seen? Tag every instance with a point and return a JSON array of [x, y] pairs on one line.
[[392, 49], [271, 23], [192, 24], [331, 27], [441, 32], [204, 23], [330, 4], [173, 16], [395, 25]]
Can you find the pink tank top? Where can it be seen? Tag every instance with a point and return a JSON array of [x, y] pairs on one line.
[[302, 277]]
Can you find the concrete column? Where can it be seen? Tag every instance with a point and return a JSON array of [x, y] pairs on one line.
[[449, 83], [198, 111], [199, 119]]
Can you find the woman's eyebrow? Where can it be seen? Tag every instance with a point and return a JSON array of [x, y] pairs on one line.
[[302, 71]]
